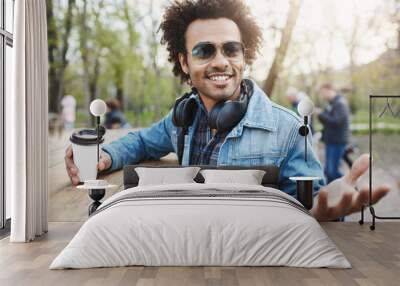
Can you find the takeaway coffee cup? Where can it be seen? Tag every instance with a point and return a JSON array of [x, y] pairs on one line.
[[84, 148]]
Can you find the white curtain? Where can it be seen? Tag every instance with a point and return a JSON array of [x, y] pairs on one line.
[[26, 118]]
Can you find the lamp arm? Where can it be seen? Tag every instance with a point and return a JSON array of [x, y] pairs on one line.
[[98, 138]]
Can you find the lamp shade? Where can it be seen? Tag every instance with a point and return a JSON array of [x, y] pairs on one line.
[[98, 107], [305, 107]]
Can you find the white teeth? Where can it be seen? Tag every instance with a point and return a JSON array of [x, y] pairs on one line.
[[219, 78]]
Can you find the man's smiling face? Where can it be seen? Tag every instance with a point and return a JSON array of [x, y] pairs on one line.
[[218, 78]]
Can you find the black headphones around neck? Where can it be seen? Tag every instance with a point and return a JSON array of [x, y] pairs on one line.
[[222, 117]]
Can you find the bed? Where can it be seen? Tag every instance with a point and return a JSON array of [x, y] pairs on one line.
[[201, 224]]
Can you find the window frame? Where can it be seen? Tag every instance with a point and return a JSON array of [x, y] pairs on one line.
[[6, 39]]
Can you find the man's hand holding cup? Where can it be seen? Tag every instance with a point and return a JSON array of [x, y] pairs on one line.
[[73, 171]]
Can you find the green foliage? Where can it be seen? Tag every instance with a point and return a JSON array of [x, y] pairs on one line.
[[385, 131], [82, 116], [111, 35], [121, 38]]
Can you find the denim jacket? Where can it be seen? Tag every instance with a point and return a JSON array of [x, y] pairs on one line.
[[267, 134]]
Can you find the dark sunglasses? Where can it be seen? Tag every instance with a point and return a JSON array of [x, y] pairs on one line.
[[205, 51]]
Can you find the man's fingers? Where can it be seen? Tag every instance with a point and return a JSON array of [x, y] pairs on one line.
[[74, 180], [321, 208], [68, 151], [73, 174], [101, 165], [377, 193], [342, 208], [360, 199], [105, 162], [73, 171], [323, 199], [360, 166], [323, 212], [69, 161]]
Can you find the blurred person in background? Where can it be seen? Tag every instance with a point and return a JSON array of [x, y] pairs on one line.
[[335, 119], [114, 117], [351, 147], [68, 104], [293, 96]]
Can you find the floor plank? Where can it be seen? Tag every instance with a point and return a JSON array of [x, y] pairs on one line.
[[374, 255]]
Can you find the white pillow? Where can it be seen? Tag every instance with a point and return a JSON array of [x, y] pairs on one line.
[[248, 177], [165, 176]]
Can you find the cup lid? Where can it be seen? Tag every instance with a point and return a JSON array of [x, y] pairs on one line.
[[86, 137], [304, 178]]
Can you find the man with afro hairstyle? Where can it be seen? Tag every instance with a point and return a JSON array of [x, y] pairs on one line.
[[225, 119]]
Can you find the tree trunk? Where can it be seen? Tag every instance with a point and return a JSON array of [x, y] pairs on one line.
[[64, 49], [52, 51], [57, 58], [90, 57], [353, 47], [294, 8], [93, 85], [83, 36], [119, 82], [118, 74]]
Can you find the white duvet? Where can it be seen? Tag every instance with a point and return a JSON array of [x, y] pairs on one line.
[[185, 230]]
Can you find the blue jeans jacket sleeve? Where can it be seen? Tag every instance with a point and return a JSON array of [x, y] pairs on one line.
[[153, 142], [294, 165]]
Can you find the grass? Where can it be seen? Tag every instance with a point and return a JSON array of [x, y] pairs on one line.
[[386, 124], [359, 121]]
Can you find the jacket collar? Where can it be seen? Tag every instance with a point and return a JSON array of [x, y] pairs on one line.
[[336, 98], [258, 115], [259, 112]]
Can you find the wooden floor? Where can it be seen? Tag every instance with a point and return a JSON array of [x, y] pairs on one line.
[[374, 255]]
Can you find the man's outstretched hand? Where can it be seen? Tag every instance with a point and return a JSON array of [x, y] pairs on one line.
[[340, 197]]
